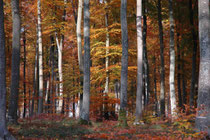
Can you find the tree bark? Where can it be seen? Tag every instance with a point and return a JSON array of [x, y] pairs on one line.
[[40, 55], [203, 104], [172, 62], [124, 63], [24, 74], [162, 70], [13, 103], [139, 62], [4, 133], [86, 86], [79, 48]]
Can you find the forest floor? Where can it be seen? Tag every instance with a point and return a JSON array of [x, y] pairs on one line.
[[58, 127]]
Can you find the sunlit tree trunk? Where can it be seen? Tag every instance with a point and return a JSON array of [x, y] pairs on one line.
[[139, 62], [86, 86], [162, 70], [203, 102], [124, 63], [172, 62], [4, 134], [80, 56], [40, 55], [13, 103]]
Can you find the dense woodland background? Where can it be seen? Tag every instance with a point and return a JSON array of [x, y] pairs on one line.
[[141, 62]]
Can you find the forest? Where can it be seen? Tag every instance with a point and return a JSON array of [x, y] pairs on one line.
[[104, 69]]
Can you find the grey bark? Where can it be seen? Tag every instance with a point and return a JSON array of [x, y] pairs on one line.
[[139, 62], [172, 62], [79, 48], [86, 86], [194, 37], [146, 63], [162, 70], [124, 59], [13, 102], [4, 133], [203, 102], [40, 102]]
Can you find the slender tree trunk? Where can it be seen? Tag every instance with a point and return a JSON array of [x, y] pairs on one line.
[[162, 71], [194, 37], [203, 114], [24, 74], [52, 59], [172, 62], [4, 134], [13, 104], [40, 103], [155, 88], [184, 97], [86, 88], [79, 48], [139, 62], [124, 63], [107, 52], [146, 64]]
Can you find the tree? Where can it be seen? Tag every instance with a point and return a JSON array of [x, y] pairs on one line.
[[4, 133], [203, 114], [139, 61], [39, 32], [162, 69], [124, 63], [172, 62], [13, 103], [86, 87]]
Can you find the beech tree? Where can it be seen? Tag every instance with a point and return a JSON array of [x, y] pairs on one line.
[[139, 61], [203, 114], [39, 32], [124, 63], [86, 87], [4, 133], [14, 91]]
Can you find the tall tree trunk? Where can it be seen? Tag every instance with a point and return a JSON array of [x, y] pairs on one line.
[[155, 88], [13, 104], [146, 64], [203, 115], [24, 74], [172, 62], [40, 103], [86, 87], [184, 97], [124, 63], [194, 37], [79, 48], [52, 59], [107, 52], [162, 70], [4, 134], [139, 62]]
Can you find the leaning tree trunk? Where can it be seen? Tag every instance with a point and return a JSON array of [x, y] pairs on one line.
[[203, 115], [124, 63], [86, 86], [4, 134], [162, 70], [172, 62], [139, 62], [13, 103], [79, 48], [40, 103]]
